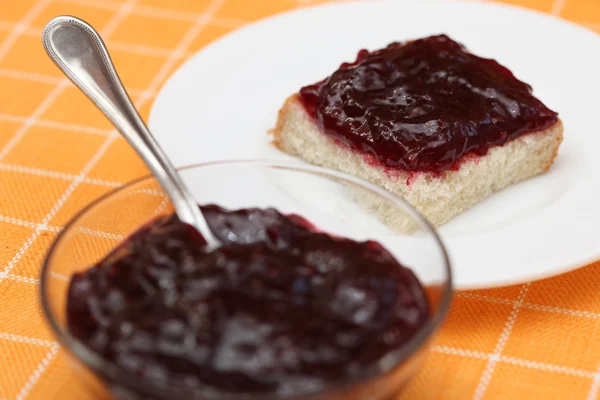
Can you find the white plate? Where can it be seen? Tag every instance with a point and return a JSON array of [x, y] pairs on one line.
[[221, 103]]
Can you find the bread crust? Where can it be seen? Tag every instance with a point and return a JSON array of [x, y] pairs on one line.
[[558, 140], [281, 118]]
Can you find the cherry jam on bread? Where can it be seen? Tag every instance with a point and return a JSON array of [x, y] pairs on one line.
[[423, 105]]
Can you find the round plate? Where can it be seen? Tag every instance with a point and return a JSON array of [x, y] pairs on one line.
[[224, 100]]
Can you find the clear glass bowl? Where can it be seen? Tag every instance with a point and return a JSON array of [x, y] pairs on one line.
[[334, 202]]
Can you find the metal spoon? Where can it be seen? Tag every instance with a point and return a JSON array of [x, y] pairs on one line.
[[78, 50]]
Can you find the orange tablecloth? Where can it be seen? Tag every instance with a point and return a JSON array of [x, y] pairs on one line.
[[539, 340]]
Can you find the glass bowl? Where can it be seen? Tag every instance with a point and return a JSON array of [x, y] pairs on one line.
[[334, 202]]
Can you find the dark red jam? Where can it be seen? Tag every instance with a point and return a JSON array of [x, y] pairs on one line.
[[424, 104], [279, 308]]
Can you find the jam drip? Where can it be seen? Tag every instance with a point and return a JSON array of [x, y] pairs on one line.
[[279, 308], [425, 104]]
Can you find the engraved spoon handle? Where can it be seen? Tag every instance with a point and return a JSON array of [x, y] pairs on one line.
[[78, 50]]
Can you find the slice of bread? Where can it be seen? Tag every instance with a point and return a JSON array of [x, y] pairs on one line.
[[438, 197]]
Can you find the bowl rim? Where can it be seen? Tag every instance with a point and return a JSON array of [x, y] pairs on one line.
[[116, 375]]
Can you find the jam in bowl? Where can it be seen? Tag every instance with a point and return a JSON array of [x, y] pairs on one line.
[[301, 301]]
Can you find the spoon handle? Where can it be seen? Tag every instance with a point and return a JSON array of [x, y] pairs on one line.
[[78, 50]]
